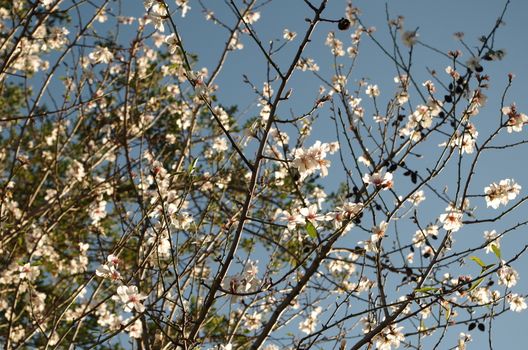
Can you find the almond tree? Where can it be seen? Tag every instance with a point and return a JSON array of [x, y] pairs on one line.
[[140, 211]]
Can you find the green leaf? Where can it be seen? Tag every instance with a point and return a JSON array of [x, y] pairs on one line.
[[310, 229], [478, 261], [476, 284], [496, 250], [192, 166], [448, 312], [425, 289]]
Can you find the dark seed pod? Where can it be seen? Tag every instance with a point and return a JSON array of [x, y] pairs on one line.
[[414, 177], [343, 24], [482, 327], [487, 56], [448, 98], [479, 69], [472, 326]]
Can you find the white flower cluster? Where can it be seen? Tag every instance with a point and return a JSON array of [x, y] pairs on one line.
[[246, 281], [128, 295], [421, 236], [345, 213], [156, 14], [507, 276], [516, 120], [517, 302], [288, 35], [451, 219], [421, 118], [390, 337], [466, 141], [379, 179], [307, 64], [308, 325], [336, 45], [501, 193], [101, 54], [312, 159]]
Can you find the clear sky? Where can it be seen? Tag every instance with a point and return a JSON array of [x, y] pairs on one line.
[[437, 21]]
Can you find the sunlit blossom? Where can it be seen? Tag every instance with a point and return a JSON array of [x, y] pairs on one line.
[[131, 298], [309, 324], [101, 55], [516, 120], [516, 302], [288, 35], [452, 219], [380, 179], [507, 276], [501, 193]]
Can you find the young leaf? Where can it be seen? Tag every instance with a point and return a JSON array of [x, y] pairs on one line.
[[448, 313], [476, 284], [310, 229], [425, 289], [496, 250], [192, 166], [478, 261]]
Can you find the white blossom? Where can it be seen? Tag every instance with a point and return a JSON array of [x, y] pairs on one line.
[[516, 302], [101, 55], [310, 323], [507, 276], [452, 219], [131, 298], [501, 193], [380, 179]]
